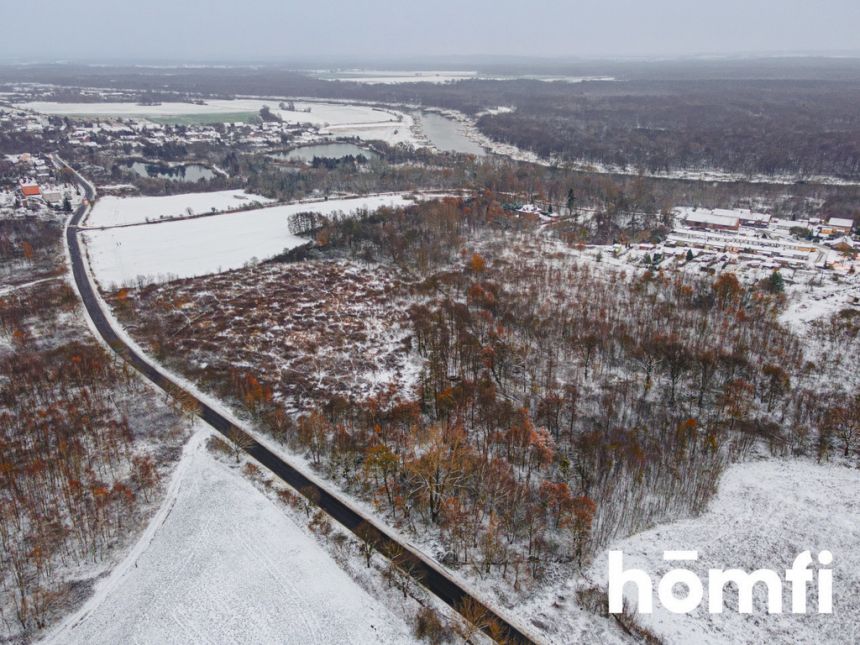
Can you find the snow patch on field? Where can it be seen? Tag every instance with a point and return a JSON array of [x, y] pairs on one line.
[[763, 516], [396, 77], [818, 300], [392, 132], [225, 565], [193, 247], [119, 211]]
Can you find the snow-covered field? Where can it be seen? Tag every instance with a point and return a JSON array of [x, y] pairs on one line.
[[118, 211], [388, 77], [395, 77], [818, 298], [192, 247], [392, 132], [224, 564], [763, 516]]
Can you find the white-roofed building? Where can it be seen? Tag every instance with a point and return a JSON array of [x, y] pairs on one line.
[[757, 220], [838, 226], [707, 219]]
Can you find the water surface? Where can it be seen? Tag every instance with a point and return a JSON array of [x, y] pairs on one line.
[[326, 151], [187, 173], [447, 134]]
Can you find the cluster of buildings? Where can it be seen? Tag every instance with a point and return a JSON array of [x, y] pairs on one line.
[[758, 240], [106, 132], [30, 187], [732, 220], [139, 138], [723, 220], [132, 135], [12, 120]]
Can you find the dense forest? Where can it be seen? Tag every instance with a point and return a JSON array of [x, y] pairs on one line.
[[560, 403], [747, 127]]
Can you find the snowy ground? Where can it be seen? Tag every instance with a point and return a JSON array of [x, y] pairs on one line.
[[392, 132], [193, 247], [394, 77], [817, 297], [117, 211], [324, 329], [222, 563], [764, 514]]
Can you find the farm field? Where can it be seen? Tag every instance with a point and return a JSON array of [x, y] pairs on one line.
[[193, 247], [119, 211], [764, 514], [394, 77]]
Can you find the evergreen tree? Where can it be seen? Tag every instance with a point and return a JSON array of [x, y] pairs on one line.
[[571, 200], [775, 284]]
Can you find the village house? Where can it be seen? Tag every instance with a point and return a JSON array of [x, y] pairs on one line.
[[30, 196], [530, 210], [28, 192]]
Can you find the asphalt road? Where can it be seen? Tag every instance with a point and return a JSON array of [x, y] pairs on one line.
[[421, 568]]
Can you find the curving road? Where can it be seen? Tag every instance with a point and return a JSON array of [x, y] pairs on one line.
[[420, 567]]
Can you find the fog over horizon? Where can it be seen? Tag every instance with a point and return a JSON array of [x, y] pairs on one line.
[[382, 30]]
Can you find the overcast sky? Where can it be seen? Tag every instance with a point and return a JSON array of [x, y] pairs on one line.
[[200, 30]]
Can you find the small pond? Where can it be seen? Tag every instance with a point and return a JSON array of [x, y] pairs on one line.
[[187, 173], [325, 151]]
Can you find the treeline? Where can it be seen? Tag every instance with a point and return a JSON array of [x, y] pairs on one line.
[[27, 239], [625, 207], [269, 178]]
